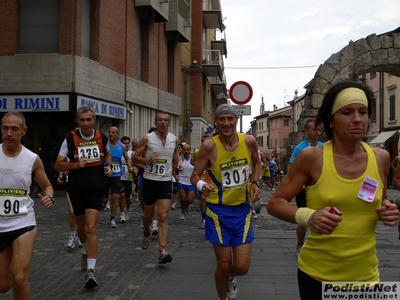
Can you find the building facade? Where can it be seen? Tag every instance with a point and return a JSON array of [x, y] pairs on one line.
[[122, 57], [204, 82]]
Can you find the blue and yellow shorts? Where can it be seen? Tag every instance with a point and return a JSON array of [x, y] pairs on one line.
[[229, 225]]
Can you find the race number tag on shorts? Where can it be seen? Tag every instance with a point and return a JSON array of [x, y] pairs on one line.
[[158, 168], [115, 167], [125, 169], [234, 174], [89, 150], [13, 202], [368, 189]]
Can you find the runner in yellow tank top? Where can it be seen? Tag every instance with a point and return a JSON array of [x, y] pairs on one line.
[[347, 174], [229, 191]]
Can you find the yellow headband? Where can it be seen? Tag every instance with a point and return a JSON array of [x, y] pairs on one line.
[[349, 96]]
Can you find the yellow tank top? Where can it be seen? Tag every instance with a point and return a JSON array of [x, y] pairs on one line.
[[230, 174], [349, 253]]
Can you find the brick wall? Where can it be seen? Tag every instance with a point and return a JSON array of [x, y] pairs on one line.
[[9, 27]]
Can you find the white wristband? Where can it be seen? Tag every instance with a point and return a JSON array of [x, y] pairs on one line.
[[200, 184]]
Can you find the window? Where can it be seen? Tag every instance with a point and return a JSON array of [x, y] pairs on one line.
[[286, 122], [39, 19], [392, 107]]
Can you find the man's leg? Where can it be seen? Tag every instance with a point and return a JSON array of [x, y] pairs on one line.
[[163, 209], [92, 240], [147, 217], [241, 260], [22, 249], [182, 199], [223, 255], [5, 272]]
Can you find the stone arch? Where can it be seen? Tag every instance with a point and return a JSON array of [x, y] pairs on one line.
[[374, 53]]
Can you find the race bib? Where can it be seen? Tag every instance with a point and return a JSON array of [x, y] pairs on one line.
[[125, 169], [235, 174], [13, 203], [115, 167], [89, 150], [158, 168]]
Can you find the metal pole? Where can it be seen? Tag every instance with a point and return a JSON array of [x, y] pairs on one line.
[[241, 124]]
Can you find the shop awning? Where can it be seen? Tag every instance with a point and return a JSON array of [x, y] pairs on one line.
[[383, 137]]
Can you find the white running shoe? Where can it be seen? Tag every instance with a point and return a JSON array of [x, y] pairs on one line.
[[173, 206], [78, 242], [232, 289], [183, 217], [113, 224], [71, 241], [122, 218], [154, 229]]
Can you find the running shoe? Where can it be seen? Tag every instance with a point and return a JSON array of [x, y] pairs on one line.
[[127, 214], [154, 229], [122, 218], [187, 210], [107, 207], [113, 224], [174, 206], [183, 217], [232, 289], [164, 257], [255, 217], [71, 241], [84, 261], [145, 242], [203, 223], [78, 242], [90, 279]]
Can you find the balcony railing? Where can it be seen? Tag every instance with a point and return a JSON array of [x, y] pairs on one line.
[[213, 63], [213, 57]]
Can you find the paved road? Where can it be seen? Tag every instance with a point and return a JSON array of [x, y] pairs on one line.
[[125, 271]]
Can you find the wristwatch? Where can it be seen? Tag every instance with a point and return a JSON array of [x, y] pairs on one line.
[[51, 197], [255, 182]]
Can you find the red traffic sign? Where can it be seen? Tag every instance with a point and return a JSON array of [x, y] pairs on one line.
[[240, 92]]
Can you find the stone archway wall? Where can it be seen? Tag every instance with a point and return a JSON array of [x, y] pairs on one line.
[[374, 53]]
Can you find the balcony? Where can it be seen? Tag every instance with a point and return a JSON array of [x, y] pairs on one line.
[[218, 86], [220, 45], [213, 64], [179, 19], [160, 8], [212, 16]]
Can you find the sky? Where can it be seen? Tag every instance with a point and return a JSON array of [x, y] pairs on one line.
[[277, 46]]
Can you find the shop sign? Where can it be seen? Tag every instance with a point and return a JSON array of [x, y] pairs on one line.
[[102, 108], [34, 103]]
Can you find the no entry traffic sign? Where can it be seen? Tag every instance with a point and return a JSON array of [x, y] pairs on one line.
[[240, 92]]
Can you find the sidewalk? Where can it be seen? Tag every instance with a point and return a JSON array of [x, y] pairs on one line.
[[125, 271]]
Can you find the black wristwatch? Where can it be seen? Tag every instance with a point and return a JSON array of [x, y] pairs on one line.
[[256, 183], [51, 197]]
